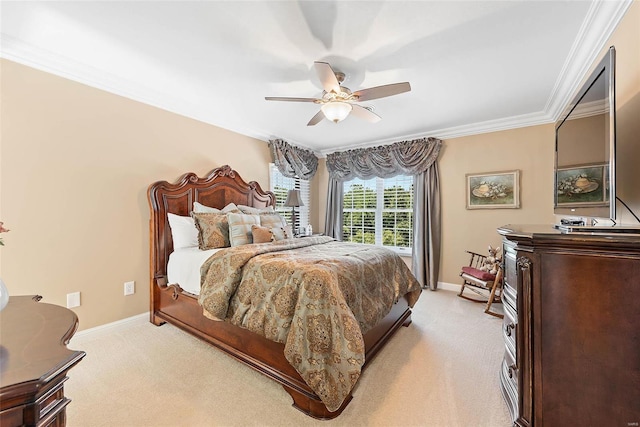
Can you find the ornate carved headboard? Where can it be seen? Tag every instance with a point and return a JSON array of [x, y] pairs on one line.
[[219, 188]]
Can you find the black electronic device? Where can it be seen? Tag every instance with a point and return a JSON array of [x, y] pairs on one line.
[[585, 166], [565, 221]]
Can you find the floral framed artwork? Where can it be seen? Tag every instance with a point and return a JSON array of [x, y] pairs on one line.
[[493, 190], [583, 185]]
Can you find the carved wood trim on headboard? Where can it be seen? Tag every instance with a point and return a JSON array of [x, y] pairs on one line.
[[218, 188]]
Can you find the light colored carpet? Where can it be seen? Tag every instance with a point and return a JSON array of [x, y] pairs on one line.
[[440, 371]]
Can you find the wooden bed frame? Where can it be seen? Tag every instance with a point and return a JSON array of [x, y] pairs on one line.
[[169, 303]]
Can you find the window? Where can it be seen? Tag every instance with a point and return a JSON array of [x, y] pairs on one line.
[[379, 211], [280, 185]]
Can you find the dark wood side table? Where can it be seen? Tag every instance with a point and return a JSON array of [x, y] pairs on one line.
[[34, 362]]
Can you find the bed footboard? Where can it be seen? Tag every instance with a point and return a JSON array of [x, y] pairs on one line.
[[181, 309]]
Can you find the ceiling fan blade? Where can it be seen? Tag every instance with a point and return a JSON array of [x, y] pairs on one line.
[[327, 77], [316, 119], [382, 91], [283, 98], [364, 113]]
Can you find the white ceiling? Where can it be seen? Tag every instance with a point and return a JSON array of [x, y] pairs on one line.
[[474, 66]]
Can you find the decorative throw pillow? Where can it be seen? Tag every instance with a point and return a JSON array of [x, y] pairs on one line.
[[200, 208], [279, 233], [255, 211], [261, 234], [240, 228], [272, 220], [213, 230], [183, 231], [288, 232]]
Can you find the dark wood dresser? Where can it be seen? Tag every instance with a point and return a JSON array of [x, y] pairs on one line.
[[34, 362], [571, 327]]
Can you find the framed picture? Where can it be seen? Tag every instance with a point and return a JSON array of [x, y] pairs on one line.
[[583, 185], [493, 190]]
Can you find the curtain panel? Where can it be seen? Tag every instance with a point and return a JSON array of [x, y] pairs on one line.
[[400, 158], [427, 227], [293, 161], [333, 216]]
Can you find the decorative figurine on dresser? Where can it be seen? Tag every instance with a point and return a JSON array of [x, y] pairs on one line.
[[35, 362], [571, 327]]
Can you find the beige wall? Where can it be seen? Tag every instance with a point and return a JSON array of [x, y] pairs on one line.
[[626, 39], [75, 163], [75, 166], [529, 150]]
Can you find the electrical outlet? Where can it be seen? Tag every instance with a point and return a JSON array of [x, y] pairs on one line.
[[129, 288], [73, 300]]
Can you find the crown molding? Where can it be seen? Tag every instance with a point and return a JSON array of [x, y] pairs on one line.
[[524, 120], [35, 57], [602, 19], [32, 56], [588, 109]]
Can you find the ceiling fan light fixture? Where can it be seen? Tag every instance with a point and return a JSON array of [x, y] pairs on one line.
[[337, 101], [336, 111]]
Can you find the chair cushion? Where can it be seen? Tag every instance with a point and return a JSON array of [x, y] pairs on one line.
[[478, 274]]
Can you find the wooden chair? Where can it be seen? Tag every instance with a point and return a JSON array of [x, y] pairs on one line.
[[482, 283]]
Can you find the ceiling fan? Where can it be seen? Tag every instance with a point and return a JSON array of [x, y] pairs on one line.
[[337, 101]]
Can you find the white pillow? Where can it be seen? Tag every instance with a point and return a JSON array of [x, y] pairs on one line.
[[240, 228], [183, 231], [272, 220], [255, 211], [281, 233], [200, 208]]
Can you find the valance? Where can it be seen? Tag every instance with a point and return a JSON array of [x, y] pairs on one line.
[[400, 158], [293, 161]]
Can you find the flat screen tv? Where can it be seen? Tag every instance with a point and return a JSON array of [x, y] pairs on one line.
[[585, 163]]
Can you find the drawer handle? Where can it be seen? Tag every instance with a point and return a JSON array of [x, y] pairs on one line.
[[512, 369], [509, 328]]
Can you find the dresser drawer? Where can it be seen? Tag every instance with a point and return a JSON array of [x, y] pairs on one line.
[[57, 417], [510, 292], [12, 416], [510, 369], [509, 330], [48, 410], [51, 401], [509, 387], [510, 296]]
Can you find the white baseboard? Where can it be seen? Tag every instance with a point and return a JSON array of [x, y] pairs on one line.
[[110, 327], [449, 286], [144, 317]]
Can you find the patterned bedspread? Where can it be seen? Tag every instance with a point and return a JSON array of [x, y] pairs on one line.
[[316, 295]]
